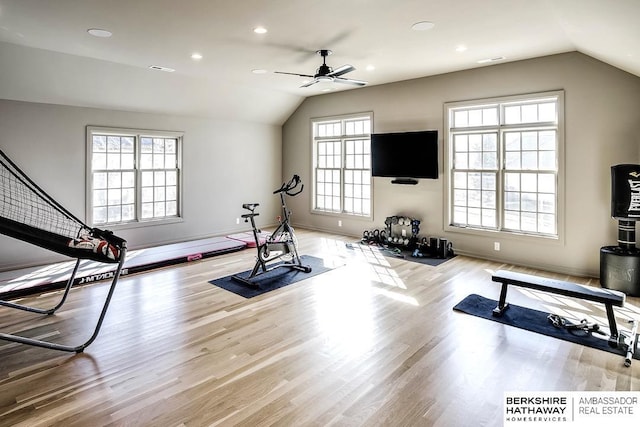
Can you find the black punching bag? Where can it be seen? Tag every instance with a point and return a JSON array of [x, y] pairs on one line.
[[625, 202], [620, 265], [625, 192]]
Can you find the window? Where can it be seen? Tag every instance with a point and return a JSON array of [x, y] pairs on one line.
[[133, 176], [342, 165], [504, 157]]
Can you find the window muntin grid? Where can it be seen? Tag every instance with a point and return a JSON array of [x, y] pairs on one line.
[[475, 117], [329, 161], [531, 112], [512, 186], [342, 165], [475, 199], [357, 173], [530, 202], [159, 173], [328, 189], [112, 166], [133, 177]]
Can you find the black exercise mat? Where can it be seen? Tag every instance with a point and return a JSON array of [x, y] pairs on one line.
[[403, 254], [278, 278], [534, 321]]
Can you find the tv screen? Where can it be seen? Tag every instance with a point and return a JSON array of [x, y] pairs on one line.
[[405, 154]]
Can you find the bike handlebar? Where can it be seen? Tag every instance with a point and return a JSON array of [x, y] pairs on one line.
[[288, 187]]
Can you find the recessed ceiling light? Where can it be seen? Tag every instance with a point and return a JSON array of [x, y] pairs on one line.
[[196, 56], [259, 30], [461, 48], [161, 68], [423, 26], [487, 60], [97, 32], [259, 71], [371, 67]]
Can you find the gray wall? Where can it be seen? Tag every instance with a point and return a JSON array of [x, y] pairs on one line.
[[602, 128], [225, 164]]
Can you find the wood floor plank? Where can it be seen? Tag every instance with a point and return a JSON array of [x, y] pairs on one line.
[[372, 342]]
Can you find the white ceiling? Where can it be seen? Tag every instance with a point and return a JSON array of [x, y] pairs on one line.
[[47, 55]]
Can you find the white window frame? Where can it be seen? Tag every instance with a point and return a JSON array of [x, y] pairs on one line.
[[346, 137], [138, 171], [501, 128]]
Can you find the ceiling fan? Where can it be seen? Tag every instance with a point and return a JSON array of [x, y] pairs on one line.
[[324, 73]]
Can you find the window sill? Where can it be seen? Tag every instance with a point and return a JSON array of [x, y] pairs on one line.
[[342, 215], [139, 224], [498, 234]]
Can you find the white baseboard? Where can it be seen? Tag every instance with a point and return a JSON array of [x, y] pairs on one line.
[[543, 267]]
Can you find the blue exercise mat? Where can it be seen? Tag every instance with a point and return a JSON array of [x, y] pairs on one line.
[[534, 321], [404, 254], [273, 279]]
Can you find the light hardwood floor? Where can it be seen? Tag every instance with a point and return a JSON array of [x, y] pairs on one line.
[[373, 342]]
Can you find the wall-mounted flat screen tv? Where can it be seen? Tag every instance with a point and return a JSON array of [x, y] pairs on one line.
[[405, 154]]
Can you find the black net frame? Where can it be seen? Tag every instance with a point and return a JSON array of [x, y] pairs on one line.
[[28, 213]]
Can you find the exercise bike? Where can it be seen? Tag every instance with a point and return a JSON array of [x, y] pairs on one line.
[[281, 244]]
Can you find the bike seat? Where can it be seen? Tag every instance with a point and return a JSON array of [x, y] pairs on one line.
[[250, 206]]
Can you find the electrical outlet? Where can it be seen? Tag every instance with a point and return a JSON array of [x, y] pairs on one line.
[[237, 220], [339, 223], [496, 246]]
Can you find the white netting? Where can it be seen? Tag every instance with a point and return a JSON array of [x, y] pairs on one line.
[[24, 202]]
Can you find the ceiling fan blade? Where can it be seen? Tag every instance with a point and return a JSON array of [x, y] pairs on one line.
[[342, 70], [312, 82], [350, 81], [293, 74]]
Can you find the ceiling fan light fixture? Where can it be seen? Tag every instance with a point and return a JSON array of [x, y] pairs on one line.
[[324, 79]]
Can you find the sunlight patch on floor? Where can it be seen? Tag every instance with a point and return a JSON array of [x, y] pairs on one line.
[[346, 322], [345, 317]]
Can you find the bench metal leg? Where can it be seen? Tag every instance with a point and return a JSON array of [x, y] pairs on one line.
[[613, 337], [620, 340], [502, 303], [632, 343]]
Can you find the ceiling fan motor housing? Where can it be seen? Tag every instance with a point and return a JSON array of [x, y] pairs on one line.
[[323, 70]]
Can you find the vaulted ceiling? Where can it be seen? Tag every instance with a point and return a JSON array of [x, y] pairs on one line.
[[47, 55]]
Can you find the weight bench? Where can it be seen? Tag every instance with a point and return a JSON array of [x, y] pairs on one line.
[[609, 298]]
